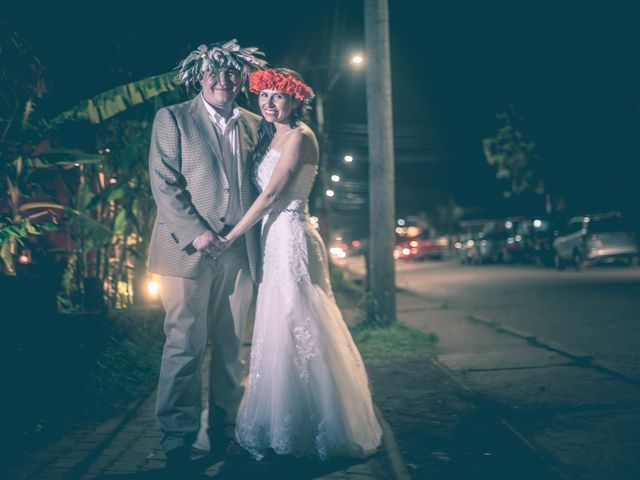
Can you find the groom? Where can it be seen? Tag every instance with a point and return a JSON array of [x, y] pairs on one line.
[[198, 161]]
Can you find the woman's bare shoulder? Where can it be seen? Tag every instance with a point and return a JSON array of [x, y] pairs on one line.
[[301, 138], [308, 139]]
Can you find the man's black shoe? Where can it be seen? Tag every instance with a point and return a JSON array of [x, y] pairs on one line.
[[178, 458], [225, 448]]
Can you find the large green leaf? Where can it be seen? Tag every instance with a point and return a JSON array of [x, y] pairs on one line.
[[119, 222], [62, 157], [92, 222], [7, 258], [107, 104]]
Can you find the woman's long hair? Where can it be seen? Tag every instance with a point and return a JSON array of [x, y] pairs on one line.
[[266, 131]]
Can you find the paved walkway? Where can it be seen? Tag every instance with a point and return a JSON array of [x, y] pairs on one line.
[[128, 447]]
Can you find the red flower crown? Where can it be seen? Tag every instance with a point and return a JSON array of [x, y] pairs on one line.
[[272, 80]]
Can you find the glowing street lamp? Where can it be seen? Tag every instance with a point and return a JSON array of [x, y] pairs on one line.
[[357, 59], [153, 286], [335, 178], [329, 193], [348, 158]]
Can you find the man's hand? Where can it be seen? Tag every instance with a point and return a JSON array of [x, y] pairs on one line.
[[209, 243]]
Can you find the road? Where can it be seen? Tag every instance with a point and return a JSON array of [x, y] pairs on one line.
[[593, 313]]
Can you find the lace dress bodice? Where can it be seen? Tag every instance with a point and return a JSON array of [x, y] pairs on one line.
[[297, 194]]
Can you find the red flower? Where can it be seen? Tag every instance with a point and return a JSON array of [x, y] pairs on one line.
[[272, 80]]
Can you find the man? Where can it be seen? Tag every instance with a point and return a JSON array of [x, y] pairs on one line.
[[198, 162]]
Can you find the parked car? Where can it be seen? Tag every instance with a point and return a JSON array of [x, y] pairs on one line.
[[418, 248], [529, 241], [514, 244], [591, 239], [487, 247], [464, 248]]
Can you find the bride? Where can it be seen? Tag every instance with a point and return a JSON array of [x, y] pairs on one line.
[[308, 393]]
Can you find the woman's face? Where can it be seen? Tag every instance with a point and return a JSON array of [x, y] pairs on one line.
[[275, 106]]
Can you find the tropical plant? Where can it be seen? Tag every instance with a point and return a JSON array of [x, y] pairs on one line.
[[116, 193], [101, 201]]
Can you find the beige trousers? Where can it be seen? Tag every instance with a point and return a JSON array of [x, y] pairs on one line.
[[212, 307]]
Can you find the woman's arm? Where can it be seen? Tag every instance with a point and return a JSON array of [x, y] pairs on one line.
[[288, 164]]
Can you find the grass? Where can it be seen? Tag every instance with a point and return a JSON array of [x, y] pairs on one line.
[[129, 364], [380, 343], [376, 341]]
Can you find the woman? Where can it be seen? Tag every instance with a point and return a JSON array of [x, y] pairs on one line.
[[308, 393]]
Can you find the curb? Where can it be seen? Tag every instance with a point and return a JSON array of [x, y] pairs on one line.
[[391, 447]]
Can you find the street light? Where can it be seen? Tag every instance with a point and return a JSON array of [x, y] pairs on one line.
[[329, 193], [335, 178], [348, 158], [357, 59]]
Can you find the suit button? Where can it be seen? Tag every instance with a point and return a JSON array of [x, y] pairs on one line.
[[223, 219]]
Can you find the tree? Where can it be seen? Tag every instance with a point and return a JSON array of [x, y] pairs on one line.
[[514, 157]]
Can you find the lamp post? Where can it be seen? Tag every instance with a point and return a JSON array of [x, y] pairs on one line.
[[381, 160]]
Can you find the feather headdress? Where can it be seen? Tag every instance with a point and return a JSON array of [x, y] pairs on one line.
[[211, 59]]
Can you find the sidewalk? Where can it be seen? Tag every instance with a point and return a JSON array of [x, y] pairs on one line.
[[493, 404], [128, 447]]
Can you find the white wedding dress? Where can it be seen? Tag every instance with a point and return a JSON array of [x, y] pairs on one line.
[[308, 393]]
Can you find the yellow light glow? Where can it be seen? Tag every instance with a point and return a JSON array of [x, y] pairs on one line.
[[413, 243], [442, 242], [153, 287], [413, 231], [357, 59]]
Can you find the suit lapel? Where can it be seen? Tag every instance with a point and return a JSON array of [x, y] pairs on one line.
[[208, 130], [246, 144]]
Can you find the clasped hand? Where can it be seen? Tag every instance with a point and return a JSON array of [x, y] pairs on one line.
[[211, 244]]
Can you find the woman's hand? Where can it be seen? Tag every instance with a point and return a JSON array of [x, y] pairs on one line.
[[214, 249]]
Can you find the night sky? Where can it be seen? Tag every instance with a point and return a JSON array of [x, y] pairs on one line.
[[571, 68]]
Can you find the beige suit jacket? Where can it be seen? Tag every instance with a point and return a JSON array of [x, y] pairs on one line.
[[190, 187]]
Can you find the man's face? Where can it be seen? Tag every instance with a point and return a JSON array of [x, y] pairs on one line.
[[222, 90]]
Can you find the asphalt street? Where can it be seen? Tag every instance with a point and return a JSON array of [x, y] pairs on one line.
[[593, 313]]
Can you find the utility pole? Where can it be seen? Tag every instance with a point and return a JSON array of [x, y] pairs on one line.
[[381, 159]]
